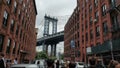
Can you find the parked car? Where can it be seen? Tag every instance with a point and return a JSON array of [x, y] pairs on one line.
[[24, 66], [41, 63], [81, 65], [62, 65]]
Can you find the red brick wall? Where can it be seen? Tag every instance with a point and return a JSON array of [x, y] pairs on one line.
[[71, 33], [27, 41], [84, 20]]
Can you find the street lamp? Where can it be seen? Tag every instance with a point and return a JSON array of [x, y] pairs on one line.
[[111, 48], [59, 54]]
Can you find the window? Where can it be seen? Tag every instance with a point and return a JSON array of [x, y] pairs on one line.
[[82, 39], [91, 34], [23, 5], [82, 17], [77, 25], [5, 18], [78, 44], [17, 30], [86, 1], [105, 28], [112, 3], [96, 3], [82, 27], [19, 14], [21, 34], [14, 47], [18, 49], [104, 10], [86, 25], [91, 45], [1, 42], [97, 31], [8, 45], [86, 36], [90, 8], [97, 15], [8, 1], [83, 4], [90, 20], [78, 34], [20, 1], [15, 6], [115, 24], [98, 44], [12, 25], [23, 21]]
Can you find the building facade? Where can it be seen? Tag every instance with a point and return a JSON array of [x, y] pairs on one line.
[[17, 29], [99, 30], [71, 37]]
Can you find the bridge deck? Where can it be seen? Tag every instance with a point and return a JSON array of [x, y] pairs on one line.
[[51, 39]]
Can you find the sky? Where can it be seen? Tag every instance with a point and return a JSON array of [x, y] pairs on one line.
[[61, 9]]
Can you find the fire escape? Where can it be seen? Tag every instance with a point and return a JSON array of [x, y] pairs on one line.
[[114, 11]]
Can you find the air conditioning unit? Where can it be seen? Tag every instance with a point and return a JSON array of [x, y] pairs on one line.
[[95, 20]]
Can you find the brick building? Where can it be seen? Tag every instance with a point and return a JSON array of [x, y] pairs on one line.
[[71, 33], [17, 29], [99, 30]]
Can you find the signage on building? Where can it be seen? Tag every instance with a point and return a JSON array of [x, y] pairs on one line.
[[72, 43], [88, 50]]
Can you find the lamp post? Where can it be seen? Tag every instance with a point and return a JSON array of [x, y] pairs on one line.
[[111, 48], [59, 54]]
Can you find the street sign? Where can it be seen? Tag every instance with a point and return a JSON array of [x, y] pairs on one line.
[[72, 43], [88, 49]]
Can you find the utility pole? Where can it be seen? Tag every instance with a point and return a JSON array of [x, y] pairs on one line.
[[111, 48]]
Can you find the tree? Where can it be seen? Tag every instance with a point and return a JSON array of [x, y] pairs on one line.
[[41, 55], [62, 56]]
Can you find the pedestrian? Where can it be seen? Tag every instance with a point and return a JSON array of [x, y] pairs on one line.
[[117, 66], [54, 63], [113, 64], [2, 61], [72, 65], [50, 63], [57, 64], [15, 61], [38, 63], [99, 64], [67, 64], [8, 63]]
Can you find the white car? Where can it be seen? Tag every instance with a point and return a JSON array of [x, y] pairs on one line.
[[24, 66], [79, 65], [41, 64]]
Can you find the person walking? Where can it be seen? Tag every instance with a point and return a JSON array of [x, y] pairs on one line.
[[50, 63], [2, 61], [113, 64], [99, 64], [15, 61], [57, 64]]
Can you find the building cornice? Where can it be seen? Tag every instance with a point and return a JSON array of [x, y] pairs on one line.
[[35, 6]]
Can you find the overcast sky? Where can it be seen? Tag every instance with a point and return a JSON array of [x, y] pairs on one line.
[[61, 9]]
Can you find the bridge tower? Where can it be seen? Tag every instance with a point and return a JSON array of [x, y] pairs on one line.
[[47, 22]]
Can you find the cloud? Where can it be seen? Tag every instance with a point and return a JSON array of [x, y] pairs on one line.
[[54, 8]]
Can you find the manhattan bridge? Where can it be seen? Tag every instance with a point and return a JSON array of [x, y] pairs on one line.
[[52, 29]]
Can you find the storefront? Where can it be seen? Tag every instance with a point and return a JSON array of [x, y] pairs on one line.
[[107, 51]]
